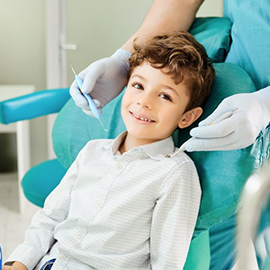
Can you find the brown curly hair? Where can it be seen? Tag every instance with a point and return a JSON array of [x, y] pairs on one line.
[[185, 59]]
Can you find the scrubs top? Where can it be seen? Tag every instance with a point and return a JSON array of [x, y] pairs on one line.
[[250, 47]]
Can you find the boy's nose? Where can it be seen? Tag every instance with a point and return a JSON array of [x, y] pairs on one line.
[[145, 101]]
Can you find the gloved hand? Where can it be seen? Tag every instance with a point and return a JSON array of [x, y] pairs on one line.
[[238, 131], [103, 79]]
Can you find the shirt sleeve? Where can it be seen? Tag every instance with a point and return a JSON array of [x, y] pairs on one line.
[[174, 218], [39, 236]]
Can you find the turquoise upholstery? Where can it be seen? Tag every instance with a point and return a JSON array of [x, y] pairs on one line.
[[33, 105], [223, 173], [46, 175], [214, 34]]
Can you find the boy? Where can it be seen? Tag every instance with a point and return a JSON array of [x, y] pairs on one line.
[[132, 202]]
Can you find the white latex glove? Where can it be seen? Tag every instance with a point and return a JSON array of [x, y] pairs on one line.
[[238, 131], [103, 80]]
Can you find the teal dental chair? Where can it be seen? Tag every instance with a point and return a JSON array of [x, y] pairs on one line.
[[222, 174], [28, 107]]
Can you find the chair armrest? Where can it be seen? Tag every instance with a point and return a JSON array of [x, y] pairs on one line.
[[33, 105]]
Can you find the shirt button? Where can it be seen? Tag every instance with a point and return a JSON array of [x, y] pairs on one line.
[[62, 257], [119, 166], [78, 235], [98, 204]]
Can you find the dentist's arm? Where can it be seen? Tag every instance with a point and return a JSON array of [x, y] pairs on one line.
[[106, 78], [238, 131], [165, 16]]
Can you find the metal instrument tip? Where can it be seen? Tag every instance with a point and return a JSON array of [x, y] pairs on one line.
[[73, 70]]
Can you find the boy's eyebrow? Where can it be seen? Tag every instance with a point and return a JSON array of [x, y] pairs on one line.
[[162, 85], [169, 88], [141, 77]]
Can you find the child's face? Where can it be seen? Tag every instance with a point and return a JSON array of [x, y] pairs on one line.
[[153, 105]]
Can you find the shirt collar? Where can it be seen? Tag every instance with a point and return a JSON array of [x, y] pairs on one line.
[[157, 150], [117, 142], [160, 149]]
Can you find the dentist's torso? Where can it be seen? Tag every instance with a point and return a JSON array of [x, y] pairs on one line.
[[250, 47]]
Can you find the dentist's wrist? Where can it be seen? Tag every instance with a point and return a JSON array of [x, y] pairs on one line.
[[263, 97], [123, 56]]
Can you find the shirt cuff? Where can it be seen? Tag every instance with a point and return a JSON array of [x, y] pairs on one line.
[[25, 254]]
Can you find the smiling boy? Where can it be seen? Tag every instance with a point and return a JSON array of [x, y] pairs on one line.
[[169, 80], [132, 202]]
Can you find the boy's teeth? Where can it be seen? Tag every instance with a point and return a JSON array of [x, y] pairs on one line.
[[143, 119]]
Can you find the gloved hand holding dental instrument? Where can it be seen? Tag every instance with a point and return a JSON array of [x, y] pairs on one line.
[[222, 117], [238, 131], [91, 104], [104, 79]]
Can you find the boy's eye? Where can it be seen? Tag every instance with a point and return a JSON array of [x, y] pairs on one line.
[[166, 96], [137, 86]]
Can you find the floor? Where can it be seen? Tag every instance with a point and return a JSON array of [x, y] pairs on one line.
[[12, 223]]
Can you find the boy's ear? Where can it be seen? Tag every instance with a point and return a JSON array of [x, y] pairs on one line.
[[190, 116]]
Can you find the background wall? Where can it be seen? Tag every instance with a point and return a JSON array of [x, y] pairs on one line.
[[97, 27], [211, 8], [22, 54], [102, 27], [99, 35]]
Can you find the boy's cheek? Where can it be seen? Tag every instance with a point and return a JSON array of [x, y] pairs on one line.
[[128, 98]]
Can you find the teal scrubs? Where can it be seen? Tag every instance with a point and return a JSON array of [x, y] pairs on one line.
[[250, 49]]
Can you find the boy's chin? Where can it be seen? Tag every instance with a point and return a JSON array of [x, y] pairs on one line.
[[145, 138]]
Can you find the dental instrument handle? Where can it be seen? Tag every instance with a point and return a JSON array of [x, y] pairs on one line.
[[183, 146], [88, 98], [223, 116]]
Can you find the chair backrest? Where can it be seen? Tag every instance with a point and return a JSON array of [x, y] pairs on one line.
[[222, 174], [213, 33]]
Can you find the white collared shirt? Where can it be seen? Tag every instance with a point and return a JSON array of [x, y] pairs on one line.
[[137, 210]]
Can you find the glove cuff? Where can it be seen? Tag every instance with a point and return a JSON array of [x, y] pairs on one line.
[[264, 98], [123, 56]]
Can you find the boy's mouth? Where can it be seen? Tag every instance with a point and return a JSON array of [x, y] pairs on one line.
[[142, 118]]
